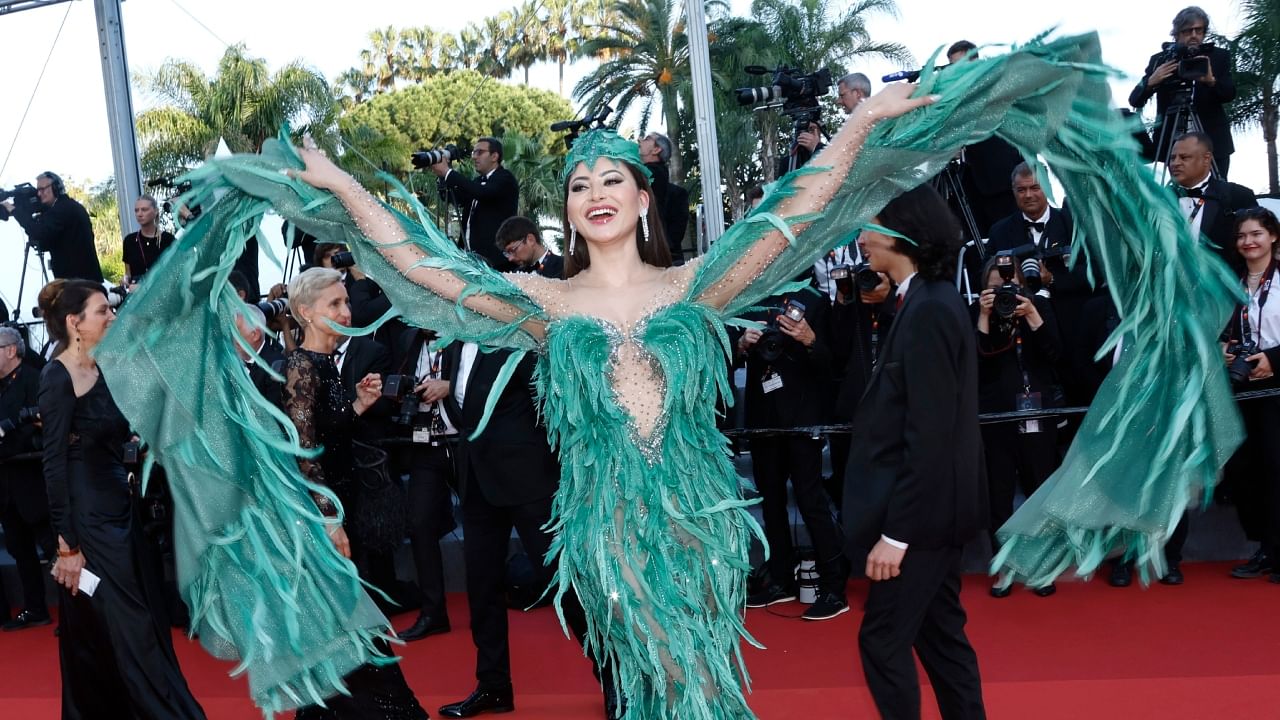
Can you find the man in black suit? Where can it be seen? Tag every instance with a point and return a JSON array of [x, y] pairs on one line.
[[520, 242], [915, 487], [250, 326], [63, 229], [672, 199], [493, 196], [1209, 203], [24, 507], [507, 478], [1207, 96]]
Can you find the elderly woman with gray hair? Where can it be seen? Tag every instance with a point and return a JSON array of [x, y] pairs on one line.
[[315, 401]]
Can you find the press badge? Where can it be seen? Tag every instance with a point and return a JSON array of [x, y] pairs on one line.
[[421, 435], [1027, 401], [771, 382]]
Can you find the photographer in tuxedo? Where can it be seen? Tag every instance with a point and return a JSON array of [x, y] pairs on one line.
[[1193, 74], [915, 489], [486, 200], [1208, 203]]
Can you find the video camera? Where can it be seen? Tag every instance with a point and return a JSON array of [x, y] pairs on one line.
[[572, 128], [26, 416], [1193, 60], [450, 153], [22, 194], [178, 188], [796, 93], [772, 342]]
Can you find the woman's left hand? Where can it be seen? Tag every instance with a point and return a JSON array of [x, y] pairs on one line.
[[368, 390], [894, 100], [66, 569], [1027, 309], [1263, 370]]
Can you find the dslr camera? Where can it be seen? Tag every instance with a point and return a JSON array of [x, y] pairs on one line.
[[1193, 60], [450, 153], [1006, 299], [26, 416], [400, 388], [773, 342], [795, 92], [1239, 369]]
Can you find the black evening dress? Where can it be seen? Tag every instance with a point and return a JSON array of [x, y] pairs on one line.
[[115, 648], [316, 402]]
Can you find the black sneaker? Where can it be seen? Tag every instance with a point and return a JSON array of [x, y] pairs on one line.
[[829, 605], [1121, 574], [1173, 576], [771, 595], [27, 619], [1260, 564]]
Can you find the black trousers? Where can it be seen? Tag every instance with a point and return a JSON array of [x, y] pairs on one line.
[[839, 445], [1016, 461], [24, 515], [486, 532], [799, 459], [920, 609], [430, 514], [1254, 474]]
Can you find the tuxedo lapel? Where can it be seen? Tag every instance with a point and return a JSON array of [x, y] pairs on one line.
[[1215, 198]]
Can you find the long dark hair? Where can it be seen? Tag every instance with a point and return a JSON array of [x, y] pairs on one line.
[[61, 298], [922, 215], [653, 252]]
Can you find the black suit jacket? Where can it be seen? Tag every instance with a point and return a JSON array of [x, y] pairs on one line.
[[495, 198], [362, 356], [673, 208], [20, 391], [65, 232], [916, 472], [552, 266], [1011, 232], [272, 357], [1210, 102], [806, 373], [511, 461], [1218, 223], [850, 337]]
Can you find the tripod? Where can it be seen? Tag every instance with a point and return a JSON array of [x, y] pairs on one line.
[[22, 279], [949, 184], [1180, 118]]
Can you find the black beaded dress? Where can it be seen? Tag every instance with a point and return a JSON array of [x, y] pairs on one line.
[[115, 648], [316, 402]]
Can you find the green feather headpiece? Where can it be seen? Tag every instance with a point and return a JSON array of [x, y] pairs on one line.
[[595, 144]]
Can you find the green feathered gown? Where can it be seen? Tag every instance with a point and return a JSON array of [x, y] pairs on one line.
[[649, 523]]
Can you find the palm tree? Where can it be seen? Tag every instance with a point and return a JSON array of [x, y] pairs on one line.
[[528, 37], [813, 34], [418, 53], [1256, 51], [565, 23], [243, 103], [538, 171], [650, 64], [382, 59]]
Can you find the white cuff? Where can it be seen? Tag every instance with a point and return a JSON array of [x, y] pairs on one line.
[[895, 543]]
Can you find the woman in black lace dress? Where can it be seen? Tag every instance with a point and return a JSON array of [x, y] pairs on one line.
[[114, 645], [316, 402]]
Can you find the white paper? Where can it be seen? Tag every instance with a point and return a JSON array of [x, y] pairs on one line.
[[88, 582]]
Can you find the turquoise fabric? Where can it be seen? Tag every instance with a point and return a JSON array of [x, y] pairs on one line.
[[652, 531]]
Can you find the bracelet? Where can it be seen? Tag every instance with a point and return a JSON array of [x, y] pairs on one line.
[[68, 553]]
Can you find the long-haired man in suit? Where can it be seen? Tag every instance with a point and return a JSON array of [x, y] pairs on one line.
[[915, 490]]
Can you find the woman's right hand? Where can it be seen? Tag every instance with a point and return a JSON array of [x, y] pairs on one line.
[[321, 172], [986, 301], [66, 569], [892, 101], [339, 537]]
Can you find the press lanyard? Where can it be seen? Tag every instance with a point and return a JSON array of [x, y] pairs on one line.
[[1264, 291], [1017, 351]]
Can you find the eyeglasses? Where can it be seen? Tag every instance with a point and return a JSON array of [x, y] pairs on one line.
[[510, 250], [43, 187], [480, 151], [1198, 30]]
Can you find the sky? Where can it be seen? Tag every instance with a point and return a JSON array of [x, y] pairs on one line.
[[65, 129]]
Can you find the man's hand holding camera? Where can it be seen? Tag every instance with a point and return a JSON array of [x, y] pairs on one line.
[[1026, 308], [809, 138], [432, 391], [797, 330]]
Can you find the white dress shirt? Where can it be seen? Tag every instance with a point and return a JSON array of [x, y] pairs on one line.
[[429, 369], [465, 363], [1193, 208]]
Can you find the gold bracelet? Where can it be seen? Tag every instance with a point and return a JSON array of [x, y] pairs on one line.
[[68, 553]]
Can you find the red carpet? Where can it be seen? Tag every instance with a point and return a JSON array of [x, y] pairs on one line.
[[1208, 649]]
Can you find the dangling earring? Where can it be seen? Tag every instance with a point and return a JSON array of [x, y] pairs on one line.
[[573, 238], [644, 223]]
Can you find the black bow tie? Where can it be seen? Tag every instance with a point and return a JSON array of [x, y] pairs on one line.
[[1037, 226], [1195, 192]]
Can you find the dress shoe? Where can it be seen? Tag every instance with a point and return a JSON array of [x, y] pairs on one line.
[[1045, 591], [828, 605], [1121, 574], [1001, 592], [1260, 564], [771, 595], [27, 619], [423, 627], [1173, 577], [501, 700], [615, 706]]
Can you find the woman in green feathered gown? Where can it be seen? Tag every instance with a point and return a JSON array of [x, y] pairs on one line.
[[650, 526]]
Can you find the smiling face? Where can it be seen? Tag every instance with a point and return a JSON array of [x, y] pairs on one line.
[[1256, 245], [1030, 196], [604, 202], [877, 249]]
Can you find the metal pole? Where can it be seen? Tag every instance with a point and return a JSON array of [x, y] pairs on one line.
[[115, 81], [704, 113]]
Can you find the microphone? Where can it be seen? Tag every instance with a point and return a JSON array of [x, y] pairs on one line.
[[908, 75], [164, 182]]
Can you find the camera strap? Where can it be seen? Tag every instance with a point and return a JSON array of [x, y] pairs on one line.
[[1264, 291], [1022, 368]]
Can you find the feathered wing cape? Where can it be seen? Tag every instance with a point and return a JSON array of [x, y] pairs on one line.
[[267, 588]]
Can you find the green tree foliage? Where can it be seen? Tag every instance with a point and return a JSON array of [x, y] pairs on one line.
[[102, 206], [1256, 52], [458, 107], [538, 171], [244, 103]]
